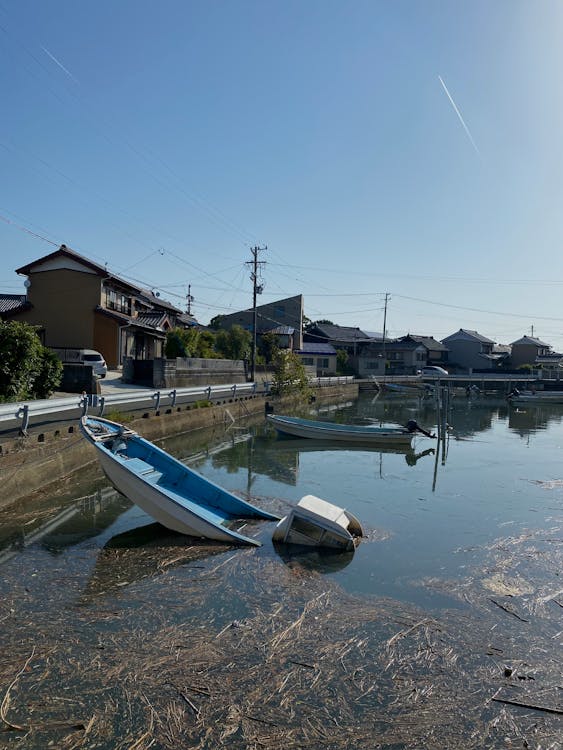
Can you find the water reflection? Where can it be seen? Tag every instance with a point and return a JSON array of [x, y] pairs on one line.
[[530, 418], [56, 524], [144, 552], [278, 458], [312, 559]]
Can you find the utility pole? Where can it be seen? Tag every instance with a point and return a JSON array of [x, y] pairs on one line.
[[189, 299], [256, 290], [384, 326]]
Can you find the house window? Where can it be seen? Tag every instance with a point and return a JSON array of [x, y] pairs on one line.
[[322, 363], [307, 360], [420, 357], [117, 301]]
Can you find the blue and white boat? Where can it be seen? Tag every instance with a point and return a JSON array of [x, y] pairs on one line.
[[171, 493]]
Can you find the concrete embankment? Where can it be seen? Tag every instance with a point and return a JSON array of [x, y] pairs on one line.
[[30, 464]]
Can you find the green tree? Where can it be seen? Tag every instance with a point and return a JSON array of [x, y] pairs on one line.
[[189, 342], [290, 376], [342, 363], [215, 322], [27, 369], [268, 347], [234, 343]]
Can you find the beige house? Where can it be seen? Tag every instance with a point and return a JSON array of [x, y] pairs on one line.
[[532, 351], [79, 304]]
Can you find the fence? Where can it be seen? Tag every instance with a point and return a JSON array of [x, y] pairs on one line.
[[23, 414]]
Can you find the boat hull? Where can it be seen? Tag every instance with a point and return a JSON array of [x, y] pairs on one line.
[[327, 431], [162, 508], [544, 397], [166, 489]]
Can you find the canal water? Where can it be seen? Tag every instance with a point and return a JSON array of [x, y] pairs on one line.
[[83, 561], [426, 511]]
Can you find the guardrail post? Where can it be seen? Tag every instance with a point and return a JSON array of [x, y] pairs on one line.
[[156, 397], [208, 391], [84, 404], [102, 406], [172, 395], [254, 387], [25, 418], [234, 389]]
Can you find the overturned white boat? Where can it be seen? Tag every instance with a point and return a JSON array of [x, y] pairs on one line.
[[314, 522]]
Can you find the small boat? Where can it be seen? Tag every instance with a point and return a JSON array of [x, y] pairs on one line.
[[307, 428], [535, 397], [165, 488], [314, 522]]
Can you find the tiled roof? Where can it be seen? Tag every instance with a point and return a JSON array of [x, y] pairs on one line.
[[282, 331], [151, 320], [430, 343], [339, 333], [471, 334], [531, 341], [312, 348], [11, 302], [63, 250]]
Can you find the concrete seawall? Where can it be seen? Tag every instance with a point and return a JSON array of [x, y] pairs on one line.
[[31, 464]]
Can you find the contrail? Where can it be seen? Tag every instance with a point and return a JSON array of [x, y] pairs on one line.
[[61, 66], [458, 113]]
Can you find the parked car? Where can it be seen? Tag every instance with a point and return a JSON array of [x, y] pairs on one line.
[[433, 370], [96, 360]]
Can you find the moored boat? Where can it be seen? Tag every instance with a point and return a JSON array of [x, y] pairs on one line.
[[170, 492], [307, 428], [535, 397]]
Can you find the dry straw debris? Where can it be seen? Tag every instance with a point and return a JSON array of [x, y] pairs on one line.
[[189, 645]]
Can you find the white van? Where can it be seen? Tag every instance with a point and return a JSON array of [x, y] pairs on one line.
[[94, 358], [83, 357]]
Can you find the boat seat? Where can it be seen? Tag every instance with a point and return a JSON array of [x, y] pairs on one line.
[[142, 468]]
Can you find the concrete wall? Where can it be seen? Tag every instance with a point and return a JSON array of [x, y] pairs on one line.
[[188, 372], [32, 463]]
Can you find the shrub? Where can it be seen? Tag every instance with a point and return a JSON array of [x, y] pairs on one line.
[[27, 368]]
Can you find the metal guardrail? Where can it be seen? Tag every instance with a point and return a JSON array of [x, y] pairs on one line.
[[24, 413], [28, 410]]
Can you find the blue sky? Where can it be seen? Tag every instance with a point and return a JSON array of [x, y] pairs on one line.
[[169, 138]]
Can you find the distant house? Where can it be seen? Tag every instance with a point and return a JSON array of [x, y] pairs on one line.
[[286, 313], [318, 358], [79, 304], [286, 337], [469, 350], [347, 338], [436, 352], [532, 351], [403, 356]]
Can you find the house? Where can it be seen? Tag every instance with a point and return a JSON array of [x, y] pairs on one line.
[[532, 351], [436, 352], [78, 304], [320, 357], [350, 339], [403, 356], [469, 350], [285, 313]]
